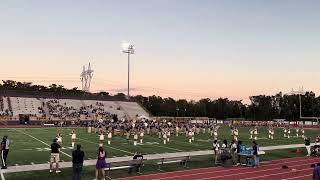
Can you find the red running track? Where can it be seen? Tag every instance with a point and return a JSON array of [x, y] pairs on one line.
[[299, 169]]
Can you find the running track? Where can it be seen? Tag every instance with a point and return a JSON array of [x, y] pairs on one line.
[[299, 169]]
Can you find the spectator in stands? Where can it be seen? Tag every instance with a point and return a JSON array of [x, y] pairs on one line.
[[307, 144], [137, 165], [77, 163], [316, 172], [5, 144], [55, 156], [101, 163]]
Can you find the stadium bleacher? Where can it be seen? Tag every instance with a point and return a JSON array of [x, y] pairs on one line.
[[70, 108]]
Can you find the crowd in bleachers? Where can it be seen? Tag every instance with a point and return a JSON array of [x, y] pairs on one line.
[[65, 109]]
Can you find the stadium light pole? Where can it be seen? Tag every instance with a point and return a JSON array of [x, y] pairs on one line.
[[128, 49]]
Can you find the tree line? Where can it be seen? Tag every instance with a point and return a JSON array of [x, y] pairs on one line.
[[261, 107]]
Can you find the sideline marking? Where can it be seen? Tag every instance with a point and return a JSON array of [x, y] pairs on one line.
[[42, 142], [106, 146]]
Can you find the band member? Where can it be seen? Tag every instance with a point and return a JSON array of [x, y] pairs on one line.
[[164, 135], [215, 133], [109, 136], [135, 138], [288, 131], [159, 132], [177, 130], [73, 138], [147, 127], [101, 138], [284, 132], [127, 133], [251, 133], [235, 134], [203, 127], [297, 132], [59, 139], [168, 135], [141, 135], [271, 133], [255, 133], [302, 133], [190, 136], [197, 129]]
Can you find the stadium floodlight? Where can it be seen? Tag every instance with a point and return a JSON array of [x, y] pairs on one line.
[[128, 49]]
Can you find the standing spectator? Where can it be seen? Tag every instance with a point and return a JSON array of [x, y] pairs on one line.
[[137, 165], [101, 163], [316, 172], [255, 150], [307, 144], [233, 151], [55, 156], [77, 163], [5, 144], [224, 144], [238, 152], [216, 149]]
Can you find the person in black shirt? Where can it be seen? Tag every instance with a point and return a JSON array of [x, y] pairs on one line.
[[5, 144], [137, 165], [54, 157], [239, 144], [254, 153], [77, 163], [307, 144]]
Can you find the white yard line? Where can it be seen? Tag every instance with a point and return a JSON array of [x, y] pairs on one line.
[[107, 146], [42, 142]]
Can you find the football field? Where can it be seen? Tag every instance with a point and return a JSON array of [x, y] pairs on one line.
[[32, 146]]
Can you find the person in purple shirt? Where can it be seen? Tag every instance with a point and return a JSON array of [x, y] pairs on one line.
[[316, 172], [101, 163]]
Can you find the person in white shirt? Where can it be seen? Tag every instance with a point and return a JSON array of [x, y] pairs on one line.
[[109, 136], [233, 151], [141, 135], [190, 136], [164, 136], [255, 133], [101, 138], [216, 149], [288, 131], [73, 138], [215, 133], [59, 139], [135, 138]]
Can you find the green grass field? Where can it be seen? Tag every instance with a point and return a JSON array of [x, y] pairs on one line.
[[27, 150], [31, 146]]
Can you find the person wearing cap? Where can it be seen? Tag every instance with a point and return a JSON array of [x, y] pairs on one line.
[[54, 156], [5, 144], [77, 163]]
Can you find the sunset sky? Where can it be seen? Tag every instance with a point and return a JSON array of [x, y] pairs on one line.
[[184, 48]]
